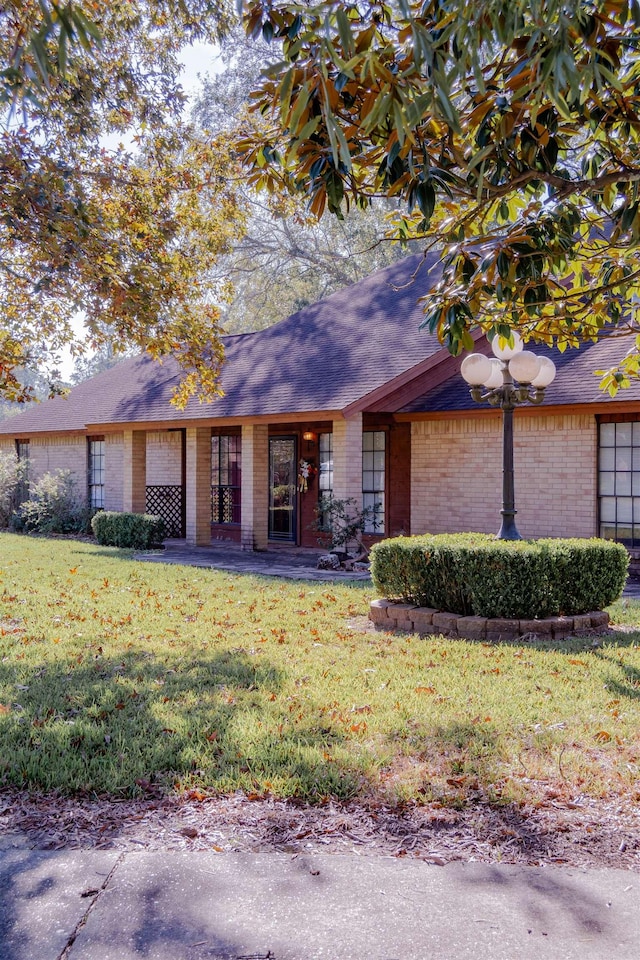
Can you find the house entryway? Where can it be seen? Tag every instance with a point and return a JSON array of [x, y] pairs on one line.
[[283, 480]]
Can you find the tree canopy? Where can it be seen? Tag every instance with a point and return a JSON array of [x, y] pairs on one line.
[[118, 235], [509, 134], [286, 258]]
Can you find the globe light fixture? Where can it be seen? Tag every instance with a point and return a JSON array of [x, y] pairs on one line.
[[511, 378]]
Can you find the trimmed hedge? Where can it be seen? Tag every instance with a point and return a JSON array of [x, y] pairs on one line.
[[475, 574], [138, 531]]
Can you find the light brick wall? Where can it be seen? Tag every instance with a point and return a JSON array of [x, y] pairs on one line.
[[456, 475], [47, 455], [164, 458], [134, 471], [198, 486], [114, 463], [255, 487], [347, 459]]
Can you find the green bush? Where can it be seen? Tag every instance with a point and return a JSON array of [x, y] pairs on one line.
[[137, 531], [13, 478], [475, 574], [53, 506]]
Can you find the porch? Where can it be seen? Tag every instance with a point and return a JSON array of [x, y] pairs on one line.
[[260, 485], [293, 564]]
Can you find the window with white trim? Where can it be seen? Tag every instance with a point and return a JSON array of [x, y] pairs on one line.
[[373, 478]]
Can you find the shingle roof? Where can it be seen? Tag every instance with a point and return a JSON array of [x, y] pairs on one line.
[[324, 357], [575, 381]]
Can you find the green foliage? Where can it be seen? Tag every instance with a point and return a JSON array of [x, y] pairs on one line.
[[137, 531], [113, 209], [53, 506], [344, 521], [507, 133], [476, 574], [13, 474], [286, 258]]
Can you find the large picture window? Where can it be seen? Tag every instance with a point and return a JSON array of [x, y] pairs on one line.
[[96, 473], [373, 478], [226, 474], [619, 482]]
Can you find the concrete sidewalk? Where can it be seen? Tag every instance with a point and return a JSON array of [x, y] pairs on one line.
[[105, 905]]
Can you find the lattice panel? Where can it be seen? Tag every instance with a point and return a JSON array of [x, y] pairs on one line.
[[166, 502], [225, 506]]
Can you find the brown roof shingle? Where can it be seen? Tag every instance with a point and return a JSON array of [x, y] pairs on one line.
[[575, 383], [324, 357]]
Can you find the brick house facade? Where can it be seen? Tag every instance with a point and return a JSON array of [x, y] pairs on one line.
[[376, 406]]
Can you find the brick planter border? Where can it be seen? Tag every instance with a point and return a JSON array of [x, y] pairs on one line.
[[394, 615]]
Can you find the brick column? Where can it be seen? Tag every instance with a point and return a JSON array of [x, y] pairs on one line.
[[347, 459], [255, 486], [134, 471], [198, 486]]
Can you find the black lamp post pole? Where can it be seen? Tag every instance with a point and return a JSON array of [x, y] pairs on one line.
[[508, 529], [528, 387]]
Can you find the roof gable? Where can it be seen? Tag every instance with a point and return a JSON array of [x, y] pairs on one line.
[[324, 357]]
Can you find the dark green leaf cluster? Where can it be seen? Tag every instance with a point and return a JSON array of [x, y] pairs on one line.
[[136, 531], [475, 574]]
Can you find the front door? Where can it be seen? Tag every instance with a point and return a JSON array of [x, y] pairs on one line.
[[283, 478]]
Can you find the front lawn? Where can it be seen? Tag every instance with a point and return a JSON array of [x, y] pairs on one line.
[[119, 677]]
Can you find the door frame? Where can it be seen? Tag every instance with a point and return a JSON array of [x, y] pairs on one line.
[[295, 525]]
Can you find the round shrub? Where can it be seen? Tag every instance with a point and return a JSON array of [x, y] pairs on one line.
[[137, 531], [475, 574]]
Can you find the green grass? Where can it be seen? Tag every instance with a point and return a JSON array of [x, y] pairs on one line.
[[117, 677]]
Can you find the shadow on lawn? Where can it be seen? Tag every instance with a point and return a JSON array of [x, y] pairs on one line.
[[120, 726], [627, 683]]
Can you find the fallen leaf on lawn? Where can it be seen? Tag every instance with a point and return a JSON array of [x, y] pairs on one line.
[[425, 690], [602, 736]]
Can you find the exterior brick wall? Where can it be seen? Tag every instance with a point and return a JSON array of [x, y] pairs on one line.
[[164, 458], [134, 471], [48, 454], [456, 479], [347, 458], [113, 462], [255, 486], [198, 486]]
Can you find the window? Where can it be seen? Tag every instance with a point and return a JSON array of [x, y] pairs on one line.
[[325, 476], [22, 489], [619, 482], [96, 473], [373, 478], [226, 472]]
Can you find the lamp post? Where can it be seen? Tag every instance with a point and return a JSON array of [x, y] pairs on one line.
[[512, 377]]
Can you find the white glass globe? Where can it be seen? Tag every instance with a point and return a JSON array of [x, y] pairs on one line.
[[546, 374], [495, 378], [475, 369], [506, 352], [524, 367]]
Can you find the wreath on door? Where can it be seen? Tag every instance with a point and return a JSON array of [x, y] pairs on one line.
[[306, 472]]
